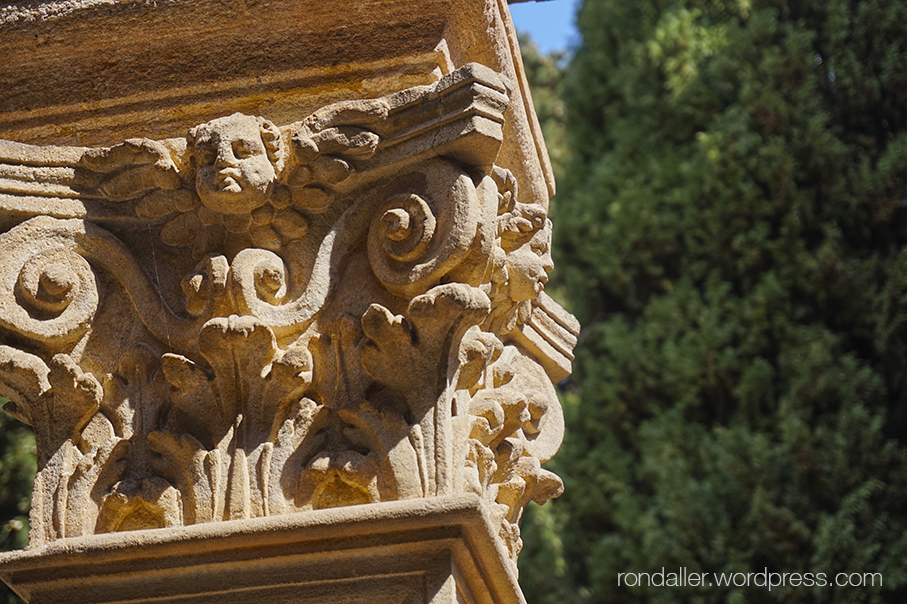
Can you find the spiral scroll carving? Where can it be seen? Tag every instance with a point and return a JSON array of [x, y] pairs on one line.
[[406, 228], [420, 235], [259, 278], [51, 281], [48, 291]]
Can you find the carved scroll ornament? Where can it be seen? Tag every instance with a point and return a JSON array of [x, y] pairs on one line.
[[257, 320]]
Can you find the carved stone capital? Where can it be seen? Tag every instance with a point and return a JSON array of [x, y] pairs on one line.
[[258, 319]]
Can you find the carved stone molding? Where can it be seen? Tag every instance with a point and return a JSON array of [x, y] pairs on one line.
[[256, 319], [441, 550]]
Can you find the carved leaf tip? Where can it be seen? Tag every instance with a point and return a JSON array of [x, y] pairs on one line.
[[23, 379], [76, 395]]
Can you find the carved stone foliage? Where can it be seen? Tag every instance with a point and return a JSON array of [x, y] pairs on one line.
[[257, 320]]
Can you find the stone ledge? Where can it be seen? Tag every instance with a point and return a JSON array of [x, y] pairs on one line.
[[96, 72], [441, 549]]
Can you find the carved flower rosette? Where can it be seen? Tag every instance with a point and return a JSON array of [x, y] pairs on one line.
[[256, 320]]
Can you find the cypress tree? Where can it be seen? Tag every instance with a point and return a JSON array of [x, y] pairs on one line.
[[731, 233]]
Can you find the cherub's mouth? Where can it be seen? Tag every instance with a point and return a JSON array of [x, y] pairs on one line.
[[228, 184]]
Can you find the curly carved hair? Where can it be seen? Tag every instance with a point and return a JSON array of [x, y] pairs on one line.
[[517, 222], [518, 226]]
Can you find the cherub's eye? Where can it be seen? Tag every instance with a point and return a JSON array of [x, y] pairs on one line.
[[540, 250], [240, 151], [205, 155]]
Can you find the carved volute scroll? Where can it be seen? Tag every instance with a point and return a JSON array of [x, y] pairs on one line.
[[259, 319]]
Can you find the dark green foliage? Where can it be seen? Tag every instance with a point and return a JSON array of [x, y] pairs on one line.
[[731, 233], [17, 475]]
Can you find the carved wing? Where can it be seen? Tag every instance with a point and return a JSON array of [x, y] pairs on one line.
[[78, 182]]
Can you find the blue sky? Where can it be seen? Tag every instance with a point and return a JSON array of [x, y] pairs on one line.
[[549, 23]]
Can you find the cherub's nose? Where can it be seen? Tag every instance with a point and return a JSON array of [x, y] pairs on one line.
[[224, 155]]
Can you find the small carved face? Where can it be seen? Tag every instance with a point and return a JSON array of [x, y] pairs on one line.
[[528, 266], [235, 174]]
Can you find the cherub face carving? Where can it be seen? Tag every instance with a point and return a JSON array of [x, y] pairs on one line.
[[529, 264], [236, 157]]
